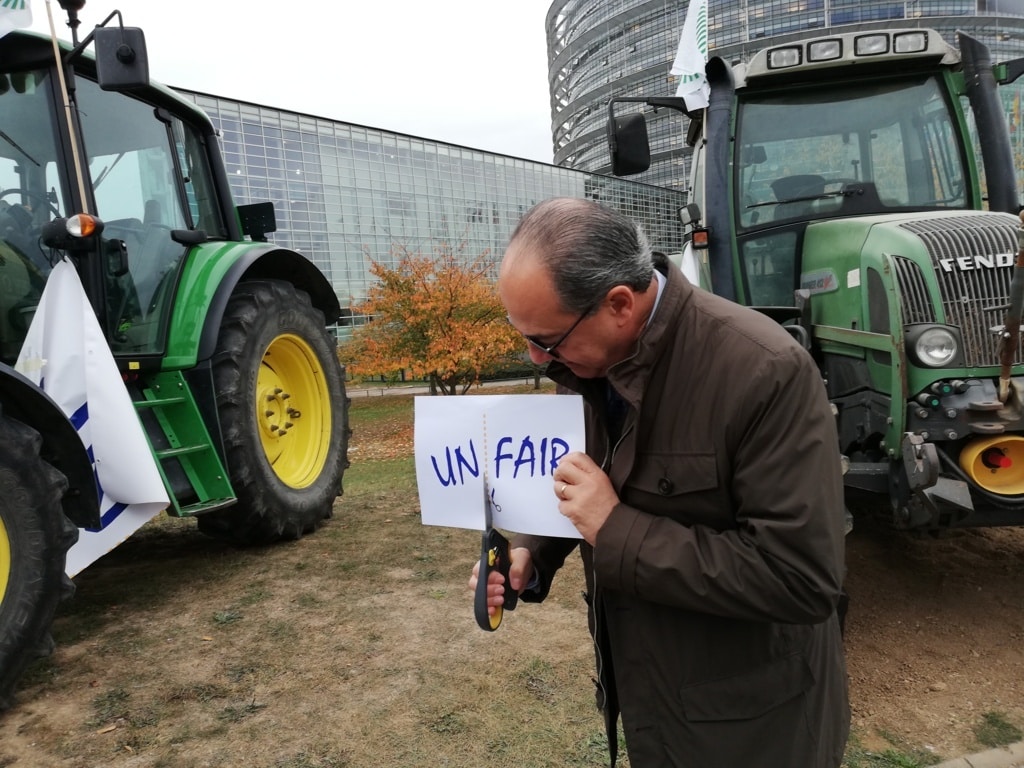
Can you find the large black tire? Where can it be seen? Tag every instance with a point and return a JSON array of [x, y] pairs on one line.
[[34, 540], [283, 413]]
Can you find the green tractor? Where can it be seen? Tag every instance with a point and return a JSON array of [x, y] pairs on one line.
[[221, 338], [835, 187]]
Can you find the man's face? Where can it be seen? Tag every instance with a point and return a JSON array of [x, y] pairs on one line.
[[574, 339]]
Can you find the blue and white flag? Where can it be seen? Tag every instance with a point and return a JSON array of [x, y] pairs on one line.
[[14, 14], [66, 354], [691, 57]]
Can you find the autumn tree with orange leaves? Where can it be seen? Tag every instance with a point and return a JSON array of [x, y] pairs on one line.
[[436, 317]]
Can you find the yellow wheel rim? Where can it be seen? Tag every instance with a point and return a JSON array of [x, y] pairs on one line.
[[5, 560], [293, 411]]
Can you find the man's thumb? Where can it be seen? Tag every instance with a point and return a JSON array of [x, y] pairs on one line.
[[521, 568]]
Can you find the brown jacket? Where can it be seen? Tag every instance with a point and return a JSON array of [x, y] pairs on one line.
[[713, 584]]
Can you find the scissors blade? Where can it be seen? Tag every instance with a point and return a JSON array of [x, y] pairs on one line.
[[488, 509], [494, 554]]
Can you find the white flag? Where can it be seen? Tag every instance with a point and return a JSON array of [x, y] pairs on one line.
[[692, 56], [14, 14], [66, 354]]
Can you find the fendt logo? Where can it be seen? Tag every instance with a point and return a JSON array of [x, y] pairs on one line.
[[971, 263]]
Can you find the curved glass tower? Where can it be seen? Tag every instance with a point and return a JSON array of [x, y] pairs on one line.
[[603, 48]]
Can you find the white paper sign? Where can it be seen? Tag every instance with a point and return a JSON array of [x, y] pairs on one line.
[[511, 442]]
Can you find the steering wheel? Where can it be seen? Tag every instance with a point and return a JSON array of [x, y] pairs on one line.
[[33, 195]]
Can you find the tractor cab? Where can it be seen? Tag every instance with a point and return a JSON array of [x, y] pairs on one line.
[[147, 182]]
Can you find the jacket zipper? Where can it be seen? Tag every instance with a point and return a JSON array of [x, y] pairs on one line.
[[609, 452], [602, 688], [606, 465]]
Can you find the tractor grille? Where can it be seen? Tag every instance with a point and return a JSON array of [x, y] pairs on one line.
[[915, 303], [974, 295]]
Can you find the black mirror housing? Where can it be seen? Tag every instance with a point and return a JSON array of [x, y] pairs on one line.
[[121, 59], [630, 148]]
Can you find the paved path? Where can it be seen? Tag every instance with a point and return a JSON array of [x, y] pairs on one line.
[[421, 389], [1003, 757]]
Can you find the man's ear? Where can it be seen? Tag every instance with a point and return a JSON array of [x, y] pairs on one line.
[[622, 300]]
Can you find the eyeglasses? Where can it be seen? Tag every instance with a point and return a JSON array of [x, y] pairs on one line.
[[550, 349]]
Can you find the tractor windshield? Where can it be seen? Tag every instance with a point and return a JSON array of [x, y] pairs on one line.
[[847, 150], [30, 195]]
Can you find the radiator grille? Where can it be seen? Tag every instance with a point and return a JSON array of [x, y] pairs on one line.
[[915, 302], [973, 299]]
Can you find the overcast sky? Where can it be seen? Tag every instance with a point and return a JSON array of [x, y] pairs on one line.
[[469, 72]]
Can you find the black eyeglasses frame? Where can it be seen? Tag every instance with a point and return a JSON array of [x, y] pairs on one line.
[[549, 350]]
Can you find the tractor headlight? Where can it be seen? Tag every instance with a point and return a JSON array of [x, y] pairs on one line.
[[933, 346], [790, 56]]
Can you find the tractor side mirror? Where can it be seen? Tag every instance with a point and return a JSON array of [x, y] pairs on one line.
[[630, 149], [121, 59]]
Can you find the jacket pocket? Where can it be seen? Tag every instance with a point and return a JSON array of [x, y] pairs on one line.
[[668, 474], [683, 486], [748, 695]]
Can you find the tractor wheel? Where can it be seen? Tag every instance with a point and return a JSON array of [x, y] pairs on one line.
[[34, 540], [283, 414]]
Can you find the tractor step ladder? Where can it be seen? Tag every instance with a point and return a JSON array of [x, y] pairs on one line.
[[183, 448]]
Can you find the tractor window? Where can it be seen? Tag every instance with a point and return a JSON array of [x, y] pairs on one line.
[[31, 193], [848, 150], [139, 191], [199, 190], [768, 269]]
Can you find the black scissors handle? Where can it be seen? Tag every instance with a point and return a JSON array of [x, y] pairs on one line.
[[494, 554]]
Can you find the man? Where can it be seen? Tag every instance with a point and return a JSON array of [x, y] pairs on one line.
[[709, 501]]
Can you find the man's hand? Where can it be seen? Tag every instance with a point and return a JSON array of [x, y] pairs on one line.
[[585, 494], [520, 573]]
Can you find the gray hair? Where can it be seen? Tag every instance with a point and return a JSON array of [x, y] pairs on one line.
[[587, 248]]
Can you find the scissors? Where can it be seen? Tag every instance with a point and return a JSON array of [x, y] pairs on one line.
[[493, 554]]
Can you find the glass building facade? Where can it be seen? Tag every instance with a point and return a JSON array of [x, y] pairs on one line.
[[346, 195], [598, 49]]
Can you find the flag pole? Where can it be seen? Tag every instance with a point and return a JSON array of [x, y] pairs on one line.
[[76, 160]]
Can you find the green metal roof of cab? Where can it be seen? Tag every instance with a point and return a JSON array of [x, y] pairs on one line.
[[24, 49]]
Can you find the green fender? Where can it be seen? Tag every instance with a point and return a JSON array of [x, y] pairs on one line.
[[208, 279]]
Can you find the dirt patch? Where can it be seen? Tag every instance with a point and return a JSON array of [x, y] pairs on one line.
[[935, 635], [357, 647]]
